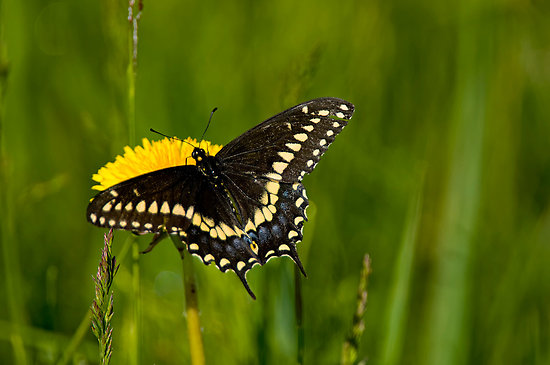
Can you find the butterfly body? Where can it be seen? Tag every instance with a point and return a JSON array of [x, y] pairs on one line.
[[240, 207]]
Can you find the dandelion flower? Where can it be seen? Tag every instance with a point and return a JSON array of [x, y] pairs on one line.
[[152, 156]]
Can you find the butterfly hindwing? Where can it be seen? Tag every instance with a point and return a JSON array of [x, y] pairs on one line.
[[267, 235]]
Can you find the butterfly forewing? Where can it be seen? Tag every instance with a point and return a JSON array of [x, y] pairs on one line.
[[169, 199], [290, 144]]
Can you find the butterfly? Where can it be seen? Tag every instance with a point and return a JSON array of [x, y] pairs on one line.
[[240, 207]]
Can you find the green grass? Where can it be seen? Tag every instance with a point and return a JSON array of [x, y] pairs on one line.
[[442, 176]]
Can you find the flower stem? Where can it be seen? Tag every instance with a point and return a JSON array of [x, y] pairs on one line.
[[134, 15], [136, 294], [191, 304]]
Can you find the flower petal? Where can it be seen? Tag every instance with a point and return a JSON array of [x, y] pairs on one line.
[[152, 156]]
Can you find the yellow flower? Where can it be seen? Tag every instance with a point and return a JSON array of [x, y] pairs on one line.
[[153, 156]]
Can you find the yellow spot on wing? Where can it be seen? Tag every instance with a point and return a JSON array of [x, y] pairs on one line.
[[279, 167], [267, 214], [221, 233], [273, 176], [301, 137], [165, 208], [240, 265], [273, 198], [272, 187], [153, 208], [287, 156], [294, 146], [254, 247], [107, 207], [227, 230], [178, 210], [258, 217], [265, 198], [249, 226], [141, 206], [197, 219], [208, 221]]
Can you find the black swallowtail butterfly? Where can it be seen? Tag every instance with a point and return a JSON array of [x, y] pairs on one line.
[[240, 207]]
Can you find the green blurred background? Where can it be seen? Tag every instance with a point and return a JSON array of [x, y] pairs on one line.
[[442, 176]]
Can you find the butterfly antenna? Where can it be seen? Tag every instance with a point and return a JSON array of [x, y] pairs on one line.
[[167, 136], [209, 120], [207, 125]]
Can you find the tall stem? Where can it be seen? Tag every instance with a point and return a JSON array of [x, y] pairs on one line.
[[191, 304], [134, 14]]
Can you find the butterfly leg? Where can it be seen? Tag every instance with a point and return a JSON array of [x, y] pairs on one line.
[[156, 239]]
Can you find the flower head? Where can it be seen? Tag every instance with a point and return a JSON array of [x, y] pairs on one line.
[[153, 156]]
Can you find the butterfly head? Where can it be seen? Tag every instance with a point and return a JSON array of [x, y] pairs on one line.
[[198, 154], [208, 165]]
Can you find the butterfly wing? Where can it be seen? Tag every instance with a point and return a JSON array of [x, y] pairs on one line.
[[289, 145], [170, 199], [263, 169], [270, 231]]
